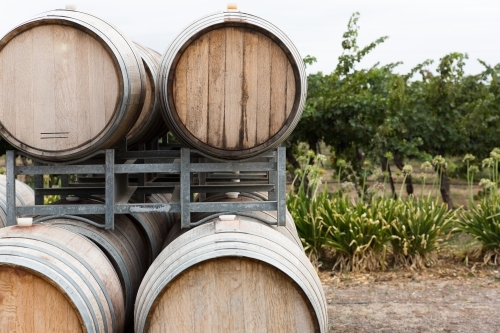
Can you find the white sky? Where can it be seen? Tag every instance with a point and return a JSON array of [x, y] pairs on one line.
[[417, 30]]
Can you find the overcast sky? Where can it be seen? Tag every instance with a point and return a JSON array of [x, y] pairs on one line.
[[417, 30]]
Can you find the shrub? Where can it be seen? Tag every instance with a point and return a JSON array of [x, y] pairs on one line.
[[417, 228], [310, 226], [482, 222], [303, 205], [357, 232]]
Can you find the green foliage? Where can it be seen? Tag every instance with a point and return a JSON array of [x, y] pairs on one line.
[[311, 169], [364, 113], [310, 227], [357, 232], [482, 220], [344, 108], [417, 225], [303, 205], [435, 106], [50, 181], [309, 60]]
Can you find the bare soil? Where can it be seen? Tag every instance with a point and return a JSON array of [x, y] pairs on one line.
[[452, 297]]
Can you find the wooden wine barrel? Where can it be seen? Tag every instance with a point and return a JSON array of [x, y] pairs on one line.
[[150, 123], [155, 226], [25, 196], [72, 84], [289, 230], [53, 280], [123, 246], [231, 276], [232, 85]]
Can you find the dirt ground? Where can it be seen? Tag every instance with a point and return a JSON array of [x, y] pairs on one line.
[[452, 299]]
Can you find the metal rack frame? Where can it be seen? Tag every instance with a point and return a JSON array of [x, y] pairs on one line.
[[118, 165]]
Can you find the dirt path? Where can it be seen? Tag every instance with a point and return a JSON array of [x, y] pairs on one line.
[[414, 302]]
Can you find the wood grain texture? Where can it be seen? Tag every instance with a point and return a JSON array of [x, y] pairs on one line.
[[290, 86], [250, 88], [197, 87], [97, 96], [264, 89], [254, 295], [232, 294], [147, 107], [29, 303], [64, 258], [180, 88], [155, 225], [233, 88], [71, 85], [150, 123], [216, 72], [8, 88], [24, 91], [245, 86], [233, 243], [65, 86], [60, 80], [44, 96]]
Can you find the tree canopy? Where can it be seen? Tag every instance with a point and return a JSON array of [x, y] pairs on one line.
[[367, 113]]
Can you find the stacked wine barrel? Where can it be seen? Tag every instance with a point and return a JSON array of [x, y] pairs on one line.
[[55, 280], [72, 84], [240, 275], [65, 274], [232, 86]]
